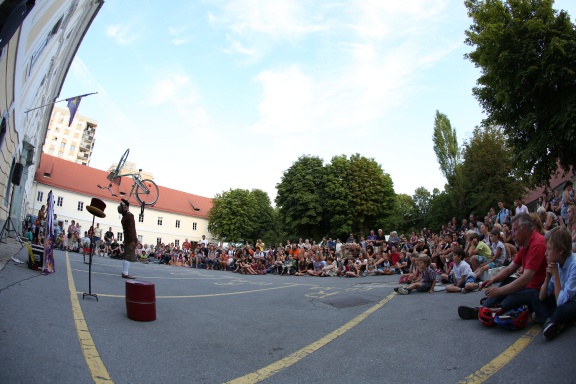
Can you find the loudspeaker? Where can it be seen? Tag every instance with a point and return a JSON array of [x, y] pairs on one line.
[[17, 174]]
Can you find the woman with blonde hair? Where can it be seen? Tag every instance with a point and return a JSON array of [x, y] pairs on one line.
[[537, 223]]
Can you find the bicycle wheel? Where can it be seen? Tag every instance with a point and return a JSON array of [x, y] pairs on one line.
[[121, 163], [146, 192]]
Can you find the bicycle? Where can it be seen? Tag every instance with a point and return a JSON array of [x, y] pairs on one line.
[[145, 190]]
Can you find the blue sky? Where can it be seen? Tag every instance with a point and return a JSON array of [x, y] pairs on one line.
[[214, 95]]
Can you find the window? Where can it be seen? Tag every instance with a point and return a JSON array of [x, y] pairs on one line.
[[194, 226], [2, 131], [60, 121], [72, 148], [159, 221], [80, 206], [177, 223], [119, 236], [158, 240], [62, 145], [140, 239], [40, 196], [177, 242], [60, 201], [141, 218]]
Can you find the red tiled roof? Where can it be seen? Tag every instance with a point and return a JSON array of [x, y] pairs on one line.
[[83, 180]]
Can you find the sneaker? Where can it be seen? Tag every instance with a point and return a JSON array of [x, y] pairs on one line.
[[395, 289], [403, 291], [463, 290], [467, 313], [551, 329]]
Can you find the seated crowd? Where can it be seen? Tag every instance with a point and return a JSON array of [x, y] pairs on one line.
[[470, 255]]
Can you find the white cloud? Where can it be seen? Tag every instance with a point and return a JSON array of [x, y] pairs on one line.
[[173, 88], [375, 70], [261, 24], [179, 35], [122, 34], [288, 103]]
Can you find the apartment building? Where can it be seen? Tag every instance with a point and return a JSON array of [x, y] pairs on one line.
[[73, 143]]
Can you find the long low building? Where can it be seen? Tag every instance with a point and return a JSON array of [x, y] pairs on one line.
[[176, 216]]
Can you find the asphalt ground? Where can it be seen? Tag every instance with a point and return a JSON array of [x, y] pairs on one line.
[[216, 327]]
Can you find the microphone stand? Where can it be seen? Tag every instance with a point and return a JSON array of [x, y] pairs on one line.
[[89, 293]]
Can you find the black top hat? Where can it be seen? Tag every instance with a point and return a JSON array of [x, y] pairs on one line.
[[97, 207]]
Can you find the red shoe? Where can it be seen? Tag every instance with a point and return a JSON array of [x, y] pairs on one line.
[[127, 276]]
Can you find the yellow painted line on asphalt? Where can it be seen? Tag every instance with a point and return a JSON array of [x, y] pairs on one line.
[[502, 359], [95, 365], [206, 295], [293, 358]]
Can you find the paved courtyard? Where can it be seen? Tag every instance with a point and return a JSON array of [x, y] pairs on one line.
[[216, 327]]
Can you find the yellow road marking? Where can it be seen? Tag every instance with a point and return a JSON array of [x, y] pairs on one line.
[[504, 358], [206, 295], [272, 369], [95, 365]]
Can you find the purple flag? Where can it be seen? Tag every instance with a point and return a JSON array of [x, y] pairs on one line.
[[73, 104]]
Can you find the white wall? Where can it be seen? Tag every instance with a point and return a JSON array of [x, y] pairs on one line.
[[149, 229]]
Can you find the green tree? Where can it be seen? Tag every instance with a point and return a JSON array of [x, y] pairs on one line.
[[232, 216], [299, 198], [448, 154], [488, 170], [371, 193], [440, 210], [338, 215], [445, 145], [526, 53], [265, 219], [404, 215], [421, 198]]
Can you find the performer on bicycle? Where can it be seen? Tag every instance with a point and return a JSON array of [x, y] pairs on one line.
[[130, 237]]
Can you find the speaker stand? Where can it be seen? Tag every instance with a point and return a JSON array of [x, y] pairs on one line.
[[6, 227]]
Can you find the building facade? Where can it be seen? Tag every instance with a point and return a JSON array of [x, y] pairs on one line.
[[172, 219], [73, 143], [34, 62]]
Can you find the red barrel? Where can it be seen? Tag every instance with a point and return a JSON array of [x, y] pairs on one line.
[[140, 300]]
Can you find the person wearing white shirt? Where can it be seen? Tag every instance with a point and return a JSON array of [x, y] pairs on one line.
[[520, 208]]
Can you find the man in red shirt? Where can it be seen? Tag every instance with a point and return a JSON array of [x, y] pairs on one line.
[[186, 245], [513, 293]]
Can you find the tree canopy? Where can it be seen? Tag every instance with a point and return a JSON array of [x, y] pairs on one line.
[[347, 195], [241, 215], [526, 52]]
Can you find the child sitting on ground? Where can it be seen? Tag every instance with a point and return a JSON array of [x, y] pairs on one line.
[[556, 303], [317, 267], [371, 269], [288, 267], [330, 269], [462, 277], [498, 254], [384, 267], [415, 273], [427, 281], [352, 268]]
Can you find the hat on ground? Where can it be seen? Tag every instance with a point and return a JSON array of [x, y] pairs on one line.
[[125, 202], [97, 207]]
